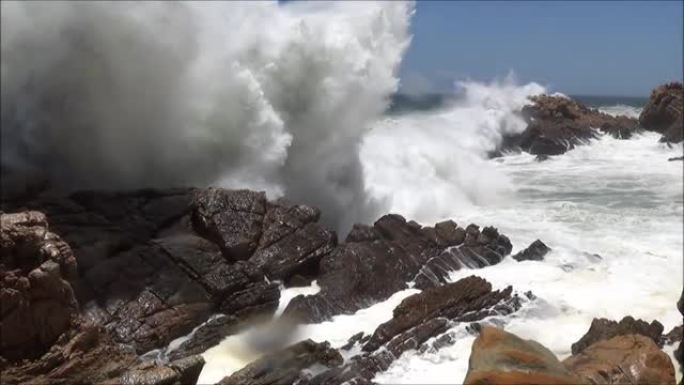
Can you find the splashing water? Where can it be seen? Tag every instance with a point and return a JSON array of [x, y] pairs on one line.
[[254, 95]]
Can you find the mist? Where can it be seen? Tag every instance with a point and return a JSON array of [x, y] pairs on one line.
[[258, 95]]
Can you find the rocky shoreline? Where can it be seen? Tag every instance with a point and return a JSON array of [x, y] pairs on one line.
[[94, 280], [132, 287], [556, 124]]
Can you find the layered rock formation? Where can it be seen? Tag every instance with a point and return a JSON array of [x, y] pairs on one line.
[[376, 262], [499, 357], [417, 319], [44, 338], [155, 265], [556, 124], [663, 112]]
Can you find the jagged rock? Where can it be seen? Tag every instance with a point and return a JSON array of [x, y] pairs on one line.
[[416, 320], [556, 124], [673, 336], [153, 264], [180, 372], [603, 329], [534, 252], [379, 261], [206, 336], [285, 366], [663, 112], [476, 250], [498, 357], [88, 355], [625, 359], [38, 303], [466, 300]]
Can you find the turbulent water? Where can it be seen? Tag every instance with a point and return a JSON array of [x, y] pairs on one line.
[[611, 211], [289, 98]]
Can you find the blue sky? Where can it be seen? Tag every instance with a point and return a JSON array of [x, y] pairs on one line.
[[578, 47]]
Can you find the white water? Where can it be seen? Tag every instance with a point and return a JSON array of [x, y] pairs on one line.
[[619, 199]]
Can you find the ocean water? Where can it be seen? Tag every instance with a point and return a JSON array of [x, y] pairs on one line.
[[610, 210]]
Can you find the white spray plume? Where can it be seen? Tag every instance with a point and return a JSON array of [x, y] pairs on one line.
[[433, 165], [241, 94]]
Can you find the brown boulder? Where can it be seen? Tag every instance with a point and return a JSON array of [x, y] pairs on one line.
[[663, 112], [625, 359], [498, 357], [534, 252], [38, 303]]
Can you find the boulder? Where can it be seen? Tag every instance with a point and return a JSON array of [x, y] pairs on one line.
[[625, 359], [556, 124], [663, 112], [604, 329], [534, 252], [498, 357], [38, 303]]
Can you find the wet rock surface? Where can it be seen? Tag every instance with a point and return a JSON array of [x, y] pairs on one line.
[[663, 112], [625, 359], [416, 320], [286, 365], [378, 261], [604, 329], [534, 252], [556, 124], [153, 264], [498, 357], [38, 303]]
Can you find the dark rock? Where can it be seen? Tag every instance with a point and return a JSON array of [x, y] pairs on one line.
[[557, 124], [477, 250], [603, 329], [382, 260], [154, 264], [205, 336], [676, 158], [466, 300], [663, 112], [38, 303], [534, 252], [673, 336], [285, 366], [416, 320]]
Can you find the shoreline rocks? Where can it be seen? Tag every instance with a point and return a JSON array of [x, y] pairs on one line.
[[663, 112], [499, 357], [556, 124]]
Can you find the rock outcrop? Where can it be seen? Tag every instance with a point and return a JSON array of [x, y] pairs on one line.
[[38, 303], [286, 366], [556, 124], [501, 358], [534, 252], [417, 319], [663, 112], [604, 329], [153, 264], [44, 338], [498, 357], [375, 262], [626, 359]]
